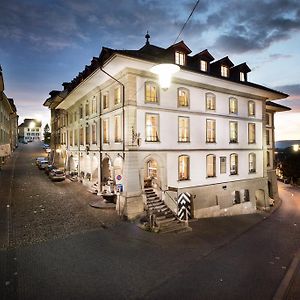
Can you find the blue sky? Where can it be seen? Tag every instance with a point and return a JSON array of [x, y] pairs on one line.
[[44, 43]]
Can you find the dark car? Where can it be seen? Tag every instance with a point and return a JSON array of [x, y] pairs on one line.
[[57, 174], [49, 168]]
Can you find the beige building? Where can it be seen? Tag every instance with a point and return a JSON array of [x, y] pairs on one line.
[[31, 130], [8, 123], [204, 135]]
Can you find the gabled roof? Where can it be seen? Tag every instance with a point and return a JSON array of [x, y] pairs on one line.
[[223, 61], [242, 68], [276, 107], [181, 45], [205, 55]]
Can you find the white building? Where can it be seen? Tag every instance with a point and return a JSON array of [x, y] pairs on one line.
[[205, 134], [31, 130]]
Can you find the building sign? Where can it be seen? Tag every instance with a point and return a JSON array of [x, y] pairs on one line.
[[5, 150], [184, 206]]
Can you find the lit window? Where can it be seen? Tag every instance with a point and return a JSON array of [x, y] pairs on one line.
[[252, 163], [268, 132], [233, 106], [152, 169], [87, 134], [233, 132], [233, 164], [152, 128], [242, 76], [105, 100], [94, 133], [81, 136], [183, 167], [210, 165], [251, 108], [183, 129], [118, 129], [222, 164], [94, 105], [117, 95], [151, 92], [105, 132], [183, 97], [210, 131], [203, 65], [224, 71], [251, 133], [179, 58], [210, 101]]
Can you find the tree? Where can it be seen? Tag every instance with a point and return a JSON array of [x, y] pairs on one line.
[[47, 134]]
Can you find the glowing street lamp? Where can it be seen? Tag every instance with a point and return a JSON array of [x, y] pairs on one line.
[[296, 147], [165, 72]]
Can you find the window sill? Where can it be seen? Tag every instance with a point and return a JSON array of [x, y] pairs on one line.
[[184, 142], [207, 142], [150, 102], [233, 174], [234, 142], [252, 172], [211, 177], [180, 180], [158, 141]]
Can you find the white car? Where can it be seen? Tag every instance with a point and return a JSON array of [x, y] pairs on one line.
[[40, 158], [57, 174]]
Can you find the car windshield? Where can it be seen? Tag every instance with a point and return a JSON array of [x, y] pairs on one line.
[[59, 172]]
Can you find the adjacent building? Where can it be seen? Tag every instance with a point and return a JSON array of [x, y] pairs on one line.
[[8, 123], [205, 134], [30, 130]]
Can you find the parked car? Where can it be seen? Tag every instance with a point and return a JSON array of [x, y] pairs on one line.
[[42, 164], [45, 146], [24, 142], [49, 168], [39, 159], [57, 174]]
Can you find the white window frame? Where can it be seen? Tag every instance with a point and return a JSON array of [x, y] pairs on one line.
[[210, 166], [150, 128], [180, 58], [183, 167], [210, 131], [185, 130]]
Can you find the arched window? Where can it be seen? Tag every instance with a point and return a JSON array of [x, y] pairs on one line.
[[233, 164], [210, 100], [233, 105], [210, 165], [251, 108], [183, 167], [252, 162], [183, 96], [151, 92]]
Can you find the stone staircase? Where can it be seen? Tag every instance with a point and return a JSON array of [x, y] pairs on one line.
[[165, 218]]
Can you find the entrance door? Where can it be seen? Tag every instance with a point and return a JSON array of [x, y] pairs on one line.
[[151, 173]]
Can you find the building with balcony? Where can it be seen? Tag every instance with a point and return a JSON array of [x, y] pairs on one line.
[[204, 135]]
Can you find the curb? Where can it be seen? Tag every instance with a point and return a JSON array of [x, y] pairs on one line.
[[287, 280]]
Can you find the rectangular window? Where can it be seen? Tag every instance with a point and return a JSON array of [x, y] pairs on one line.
[[268, 119], [251, 108], [94, 133], [87, 109], [105, 131], [71, 137], [81, 112], [94, 105], [75, 137], [210, 165], [105, 100], [183, 167], [224, 71], [222, 164], [183, 97], [179, 58], [81, 136], [87, 135], [233, 164], [251, 133], [268, 132], [210, 101], [242, 76], [118, 129], [117, 95], [151, 92], [75, 116], [268, 159], [233, 132], [210, 131], [152, 127], [252, 163], [233, 106], [183, 129], [203, 65]]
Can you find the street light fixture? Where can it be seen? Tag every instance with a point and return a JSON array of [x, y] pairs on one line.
[[165, 72], [296, 147]]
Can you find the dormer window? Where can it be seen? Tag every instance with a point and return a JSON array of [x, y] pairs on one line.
[[224, 71], [180, 58], [242, 76], [203, 65]]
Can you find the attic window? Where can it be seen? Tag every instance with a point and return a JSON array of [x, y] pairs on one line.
[[242, 76], [179, 58], [224, 71], [203, 65]]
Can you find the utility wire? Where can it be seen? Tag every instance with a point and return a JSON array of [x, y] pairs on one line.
[[186, 21]]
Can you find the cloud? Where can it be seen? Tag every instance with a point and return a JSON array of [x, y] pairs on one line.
[[293, 101]]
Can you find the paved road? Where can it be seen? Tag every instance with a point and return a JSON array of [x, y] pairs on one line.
[[222, 258]]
